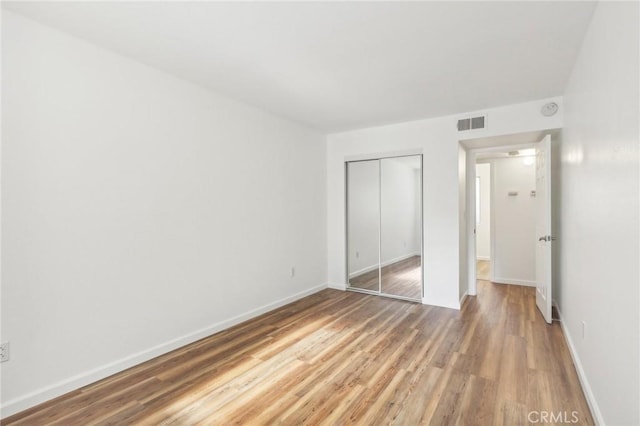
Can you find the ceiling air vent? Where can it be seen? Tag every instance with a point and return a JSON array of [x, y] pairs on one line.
[[472, 123]]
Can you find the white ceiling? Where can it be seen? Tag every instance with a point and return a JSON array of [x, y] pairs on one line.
[[522, 152], [338, 65]]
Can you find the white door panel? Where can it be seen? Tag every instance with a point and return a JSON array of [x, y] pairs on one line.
[[543, 228]]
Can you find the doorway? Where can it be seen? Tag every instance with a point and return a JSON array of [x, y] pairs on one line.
[[384, 226], [483, 220], [518, 210], [505, 216]]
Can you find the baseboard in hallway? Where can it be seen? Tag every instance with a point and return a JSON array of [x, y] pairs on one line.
[[584, 382]]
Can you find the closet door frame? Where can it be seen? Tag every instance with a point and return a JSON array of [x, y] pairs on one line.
[[379, 158]]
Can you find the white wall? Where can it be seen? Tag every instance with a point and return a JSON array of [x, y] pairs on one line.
[[599, 185], [514, 222], [463, 215], [417, 216], [140, 212], [364, 216], [380, 141], [400, 228], [438, 140], [383, 211], [483, 229]]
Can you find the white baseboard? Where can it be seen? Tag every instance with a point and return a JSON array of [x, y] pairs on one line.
[[337, 286], [483, 258], [586, 388], [399, 258], [513, 281], [463, 298], [363, 270], [442, 304], [383, 264], [60, 388]]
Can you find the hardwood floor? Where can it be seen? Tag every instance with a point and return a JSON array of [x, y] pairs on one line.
[[400, 278], [348, 358], [483, 268]]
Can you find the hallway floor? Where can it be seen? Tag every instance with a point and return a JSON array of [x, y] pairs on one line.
[[483, 271]]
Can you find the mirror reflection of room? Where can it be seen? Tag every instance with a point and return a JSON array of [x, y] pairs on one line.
[[400, 210], [384, 226], [363, 208]]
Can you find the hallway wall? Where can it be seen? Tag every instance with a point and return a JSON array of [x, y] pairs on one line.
[[483, 229], [514, 222], [599, 213]]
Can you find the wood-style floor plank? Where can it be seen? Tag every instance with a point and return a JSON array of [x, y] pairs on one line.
[[348, 358], [402, 278]]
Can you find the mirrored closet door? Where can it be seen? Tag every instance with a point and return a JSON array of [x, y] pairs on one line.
[[384, 226], [363, 224]]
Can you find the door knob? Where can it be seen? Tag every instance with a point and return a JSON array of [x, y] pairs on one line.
[[543, 238]]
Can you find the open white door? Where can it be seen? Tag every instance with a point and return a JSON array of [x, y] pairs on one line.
[[543, 227]]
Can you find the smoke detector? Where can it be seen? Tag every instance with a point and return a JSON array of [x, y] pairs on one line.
[[549, 109]]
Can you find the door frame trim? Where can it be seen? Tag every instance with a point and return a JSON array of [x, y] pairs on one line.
[[470, 218]]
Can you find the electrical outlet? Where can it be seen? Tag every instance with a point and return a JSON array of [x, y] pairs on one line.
[[4, 352], [357, 255], [292, 272], [584, 331]]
